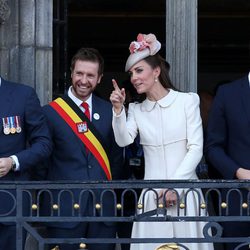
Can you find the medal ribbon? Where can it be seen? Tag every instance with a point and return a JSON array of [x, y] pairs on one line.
[[12, 125], [88, 138]]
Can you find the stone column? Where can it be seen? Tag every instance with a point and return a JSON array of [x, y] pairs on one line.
[[181, 43], [26, 45]]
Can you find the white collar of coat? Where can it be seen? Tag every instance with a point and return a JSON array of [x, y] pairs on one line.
[[166, 101]]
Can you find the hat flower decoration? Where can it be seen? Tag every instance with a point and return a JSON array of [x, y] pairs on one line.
[[145, 41], [146, 45]]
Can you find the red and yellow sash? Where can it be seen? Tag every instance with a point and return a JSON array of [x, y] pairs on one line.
[[88, 138]]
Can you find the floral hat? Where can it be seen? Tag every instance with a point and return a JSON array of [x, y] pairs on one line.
[[146, 45]]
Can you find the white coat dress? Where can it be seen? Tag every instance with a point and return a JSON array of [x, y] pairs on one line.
[[172, 139]]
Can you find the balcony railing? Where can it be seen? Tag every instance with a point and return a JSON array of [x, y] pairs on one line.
[[216, 198]]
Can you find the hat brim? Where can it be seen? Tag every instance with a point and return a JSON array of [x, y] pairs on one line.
[[136, 57]]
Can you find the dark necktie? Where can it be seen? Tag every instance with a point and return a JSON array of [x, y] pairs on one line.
[[86, 109]]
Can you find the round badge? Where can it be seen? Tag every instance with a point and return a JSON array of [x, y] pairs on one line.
[[96, 116]]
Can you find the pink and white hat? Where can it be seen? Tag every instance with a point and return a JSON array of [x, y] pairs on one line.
[[146, 45]]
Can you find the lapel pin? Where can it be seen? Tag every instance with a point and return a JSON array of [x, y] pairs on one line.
[[96, 116]]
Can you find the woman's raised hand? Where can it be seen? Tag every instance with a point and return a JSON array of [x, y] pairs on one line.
[[117, 97]]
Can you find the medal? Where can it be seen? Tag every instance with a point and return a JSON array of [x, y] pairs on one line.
[[18, 127], [12, 125], [12, 130], [6, 126], [6, 131]]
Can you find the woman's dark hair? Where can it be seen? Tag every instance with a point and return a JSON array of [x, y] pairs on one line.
[[158, 61], [88, 54]]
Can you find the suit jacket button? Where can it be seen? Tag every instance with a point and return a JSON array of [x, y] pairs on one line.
[[89, 166]]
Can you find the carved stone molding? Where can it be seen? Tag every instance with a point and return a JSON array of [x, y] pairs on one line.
[[4, 11]]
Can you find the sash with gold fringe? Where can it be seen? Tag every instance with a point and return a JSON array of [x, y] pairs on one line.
[[87, 133]]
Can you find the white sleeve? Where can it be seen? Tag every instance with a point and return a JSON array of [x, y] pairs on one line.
[[125, 129], [194, 138]]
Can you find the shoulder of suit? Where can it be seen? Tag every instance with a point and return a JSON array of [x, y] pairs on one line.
[[19, 86], [233, 85], [100, 100]]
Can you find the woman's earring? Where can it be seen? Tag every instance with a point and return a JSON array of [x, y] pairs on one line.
[[156, 80]]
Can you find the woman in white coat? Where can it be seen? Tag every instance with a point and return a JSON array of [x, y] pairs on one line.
[[170, 129]]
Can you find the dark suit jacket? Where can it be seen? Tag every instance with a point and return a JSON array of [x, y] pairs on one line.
[[69, 160], [33, 143], [228, 141]]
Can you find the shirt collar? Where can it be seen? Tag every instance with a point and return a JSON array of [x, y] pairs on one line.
[[77, 101], [166, 101]]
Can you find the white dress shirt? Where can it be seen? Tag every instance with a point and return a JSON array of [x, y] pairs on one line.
[[78, 102]]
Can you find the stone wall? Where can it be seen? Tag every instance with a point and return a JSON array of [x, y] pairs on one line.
[[26, 44], [4, 11]]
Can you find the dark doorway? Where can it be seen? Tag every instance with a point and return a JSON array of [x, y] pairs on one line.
[[223, 41], [109, 26]]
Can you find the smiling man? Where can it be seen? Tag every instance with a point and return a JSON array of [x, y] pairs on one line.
[[84, 149]]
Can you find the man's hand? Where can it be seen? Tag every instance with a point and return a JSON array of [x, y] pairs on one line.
[[243, 174], [5, 166]]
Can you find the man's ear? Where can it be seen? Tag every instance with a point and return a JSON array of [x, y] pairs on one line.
[[99, 78]]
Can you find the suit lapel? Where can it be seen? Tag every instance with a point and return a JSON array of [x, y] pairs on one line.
[[95, 112], [95, 117], [245, 92], [5, 98]]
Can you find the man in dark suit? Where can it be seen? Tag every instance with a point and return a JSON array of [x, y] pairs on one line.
[[84, 150], [24, 142], [228, 145]]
